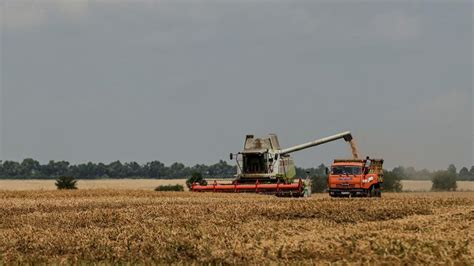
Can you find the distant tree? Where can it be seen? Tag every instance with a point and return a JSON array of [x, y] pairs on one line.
[[29, 168], [133, 169], [221, 169], [61, 168], [399, 172], [11, 169], [471, 173], [86, 171], [55, 169], [48, 169], [444, 181], [201, 168], [424, 174], [319, 180], [115, 170], [392, 180], [178, 170], [155, 169], [195, 178], [66, 182], [101, 170], [464, 174], [303, 172], [452, 169], [410, 172], [319, 183]]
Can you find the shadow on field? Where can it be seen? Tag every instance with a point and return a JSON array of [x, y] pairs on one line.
[[348, 211]]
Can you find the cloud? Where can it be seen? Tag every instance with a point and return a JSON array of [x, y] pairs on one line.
[[396, 26], [72, 9], [21, 15], [26, 14]]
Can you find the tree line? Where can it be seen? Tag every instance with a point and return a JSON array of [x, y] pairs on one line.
[[410, 173], [32, 169]]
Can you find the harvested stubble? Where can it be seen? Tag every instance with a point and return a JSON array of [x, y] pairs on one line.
[[143, 226]]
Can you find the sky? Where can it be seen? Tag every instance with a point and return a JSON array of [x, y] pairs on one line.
[[185, 81]]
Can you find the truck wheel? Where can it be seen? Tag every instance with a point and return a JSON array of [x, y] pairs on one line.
[[378, 193], [372, 192]]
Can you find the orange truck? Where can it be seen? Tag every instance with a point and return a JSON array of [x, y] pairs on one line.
[[356, 177]]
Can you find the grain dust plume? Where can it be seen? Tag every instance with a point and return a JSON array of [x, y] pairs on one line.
[[355, 152]]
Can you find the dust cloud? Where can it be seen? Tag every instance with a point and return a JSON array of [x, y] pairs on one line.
[[355, 152]]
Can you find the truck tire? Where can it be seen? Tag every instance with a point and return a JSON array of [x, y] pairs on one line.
[[378, 193], [372, 192]]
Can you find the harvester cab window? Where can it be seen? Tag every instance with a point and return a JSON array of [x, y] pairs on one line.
[[346, 170], [255, 163]]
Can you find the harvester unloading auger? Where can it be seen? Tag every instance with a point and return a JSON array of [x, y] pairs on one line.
[[264, 167]]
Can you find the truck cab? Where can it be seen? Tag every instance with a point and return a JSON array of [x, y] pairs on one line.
[[356, 177]]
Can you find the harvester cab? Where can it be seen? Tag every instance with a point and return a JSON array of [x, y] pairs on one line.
[[261, 160]]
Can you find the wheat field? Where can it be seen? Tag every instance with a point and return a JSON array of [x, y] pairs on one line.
[[144, 184], [133, 226], [425, 185]]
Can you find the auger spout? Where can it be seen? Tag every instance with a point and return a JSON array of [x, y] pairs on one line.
[[344, 135]]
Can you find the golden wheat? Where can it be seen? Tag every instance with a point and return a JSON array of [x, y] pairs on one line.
[[425, 185], [146, 184], [144, 226]]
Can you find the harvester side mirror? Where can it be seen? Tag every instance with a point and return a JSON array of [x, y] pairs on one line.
[[231, 156]]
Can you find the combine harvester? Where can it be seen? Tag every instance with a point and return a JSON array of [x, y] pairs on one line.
[[263, 167]]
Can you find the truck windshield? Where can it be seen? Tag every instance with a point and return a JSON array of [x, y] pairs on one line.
[[346, 170]]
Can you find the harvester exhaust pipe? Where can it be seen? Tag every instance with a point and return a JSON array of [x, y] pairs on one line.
[[344, 135]]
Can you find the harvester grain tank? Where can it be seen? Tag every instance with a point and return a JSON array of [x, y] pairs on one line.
[[264, 167]]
